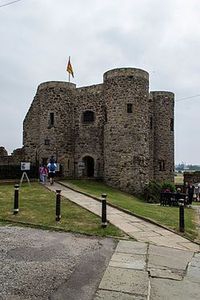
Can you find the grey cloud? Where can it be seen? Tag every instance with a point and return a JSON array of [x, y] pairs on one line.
[[162, 37]]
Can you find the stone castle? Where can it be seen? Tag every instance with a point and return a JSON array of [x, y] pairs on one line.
[[117, 131]]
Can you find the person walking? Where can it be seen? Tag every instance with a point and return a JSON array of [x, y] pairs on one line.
[[40, 173], [44, 173], [198, 192], [52, 169], [190, 192]]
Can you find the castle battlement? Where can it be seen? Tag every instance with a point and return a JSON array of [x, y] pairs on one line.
[[56, 84], [126, 72]]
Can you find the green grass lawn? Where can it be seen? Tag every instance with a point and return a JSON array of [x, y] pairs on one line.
[[179, 178], [37, 207], [167, 216]]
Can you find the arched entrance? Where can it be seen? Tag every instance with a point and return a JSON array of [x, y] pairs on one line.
[[89, 166]]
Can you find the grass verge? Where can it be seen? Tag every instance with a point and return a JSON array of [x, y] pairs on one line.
[[166, 216], [37, 209], [179, 178]]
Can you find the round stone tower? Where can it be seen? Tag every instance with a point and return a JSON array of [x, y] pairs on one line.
[[163, 148], [126, 131], [57, 122]]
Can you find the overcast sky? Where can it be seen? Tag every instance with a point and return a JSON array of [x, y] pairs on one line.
[[161, 37]]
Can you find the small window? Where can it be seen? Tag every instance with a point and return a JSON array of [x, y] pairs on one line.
[[47, 142], [51, 119], [161, 165], [105, 111], [88, 116], [68, 164], [172, 124], [151, 122], [129, 108]]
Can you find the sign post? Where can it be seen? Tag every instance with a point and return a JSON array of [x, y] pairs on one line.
[[25, 166]]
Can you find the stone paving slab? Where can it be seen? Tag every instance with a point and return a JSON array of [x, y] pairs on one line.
[[145, 235], [173, 241], [129, 229], [131, 247], [108, 295], [189, 246], [125, 280], [126, 227], [168, 274], [193, 272], [163, 232], [130, 261], [196, 260], [167, 289], [168, 257]]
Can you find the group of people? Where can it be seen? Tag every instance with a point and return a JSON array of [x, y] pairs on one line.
[[193, 192], [48, 171], [190, 192]]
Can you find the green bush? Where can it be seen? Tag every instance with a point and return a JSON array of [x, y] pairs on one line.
[[168, 185], [152, 192], [153, 189]]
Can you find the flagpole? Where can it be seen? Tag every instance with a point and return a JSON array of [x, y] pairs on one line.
[[69, 72]]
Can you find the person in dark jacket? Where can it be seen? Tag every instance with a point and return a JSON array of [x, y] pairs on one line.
[[52, 169], [190, 192]]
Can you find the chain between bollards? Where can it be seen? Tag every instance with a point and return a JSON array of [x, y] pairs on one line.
[[181, 215], [16, 200], [104, 211], [58, 206]]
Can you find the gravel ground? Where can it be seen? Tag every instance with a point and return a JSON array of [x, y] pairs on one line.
[[39, 264]]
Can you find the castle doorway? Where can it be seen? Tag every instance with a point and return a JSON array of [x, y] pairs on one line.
[[89, 166]]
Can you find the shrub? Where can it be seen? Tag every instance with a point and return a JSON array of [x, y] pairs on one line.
[[168, 185], [152, 192], [153, 189]]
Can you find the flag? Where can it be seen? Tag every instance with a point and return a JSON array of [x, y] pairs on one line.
[[69, 68]]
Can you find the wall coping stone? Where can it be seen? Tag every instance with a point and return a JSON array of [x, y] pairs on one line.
[[56, 84], [126, 72]]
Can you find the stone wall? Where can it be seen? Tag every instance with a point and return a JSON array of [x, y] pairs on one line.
[[31, 130], [89, 135], [193, 177], [14, 159], [57, 134], [126, 140], [151, 137], [126, 134], [163, 148]]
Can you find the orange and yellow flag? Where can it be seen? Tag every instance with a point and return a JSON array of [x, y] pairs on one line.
[[69, 68]]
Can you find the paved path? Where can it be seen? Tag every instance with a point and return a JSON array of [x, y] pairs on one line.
[[144, 271], [160, 265], [197, 208], [137, 228]]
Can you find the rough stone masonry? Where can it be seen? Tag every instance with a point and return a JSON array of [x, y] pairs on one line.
[[117, 131]]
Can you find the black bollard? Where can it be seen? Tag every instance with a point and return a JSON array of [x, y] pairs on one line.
[[181, 215], [104, 212], [58, 197], [16, 200]]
